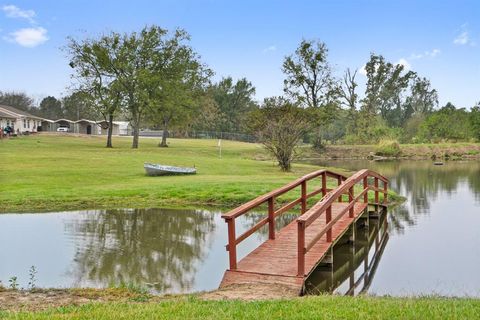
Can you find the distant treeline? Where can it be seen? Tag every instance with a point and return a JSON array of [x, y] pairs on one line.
[[156, 80]]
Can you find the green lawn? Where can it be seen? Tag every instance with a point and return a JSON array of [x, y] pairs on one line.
[[323, 307], [49, 172]]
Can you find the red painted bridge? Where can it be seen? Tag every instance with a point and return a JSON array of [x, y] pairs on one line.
[[292, 253]]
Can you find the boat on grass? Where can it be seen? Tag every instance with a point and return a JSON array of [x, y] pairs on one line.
[[153, 169]]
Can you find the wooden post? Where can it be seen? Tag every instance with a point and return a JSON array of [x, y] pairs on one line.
[[301, 249], [365, 186], [339, 179], [385, 192], [350, 200], [324, 184], [271, 218], [304, 196], [328, 218], [376, 190], [232, 246]]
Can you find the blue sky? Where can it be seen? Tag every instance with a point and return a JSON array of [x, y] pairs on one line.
[[438, 39]]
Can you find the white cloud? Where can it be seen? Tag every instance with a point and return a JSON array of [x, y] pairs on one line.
[[403, 62], [29, 37], [12, 11], [462, 39], [426, 54], [270, 49]]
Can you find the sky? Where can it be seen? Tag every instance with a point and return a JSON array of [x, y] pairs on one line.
[[440, 40]]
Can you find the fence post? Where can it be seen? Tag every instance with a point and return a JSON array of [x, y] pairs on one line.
[[376, 190], [328, 218], [271, 218], [385, 192], [304, 196], [301, 248], [232, 246], [350, 200]]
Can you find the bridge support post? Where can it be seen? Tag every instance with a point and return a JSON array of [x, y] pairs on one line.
[[376, 189], [271, 218], [365, 186], [339, 183], [301, 248], [328, 218], [304, 197], [385, 194], [232, 246], [350, 199], [324, 184]]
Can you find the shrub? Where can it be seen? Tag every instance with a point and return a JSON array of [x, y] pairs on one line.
[[388, 148]]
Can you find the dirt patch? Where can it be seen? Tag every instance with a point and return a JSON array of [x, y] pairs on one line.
[[41, 299], [251, 291]]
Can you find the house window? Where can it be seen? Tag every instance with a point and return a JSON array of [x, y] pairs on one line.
[[8, 123], [24, 123], [28, 124]]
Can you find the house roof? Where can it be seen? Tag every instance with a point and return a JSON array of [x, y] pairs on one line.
[[16, 112], [6, 115], [85, 120], [66, 120]]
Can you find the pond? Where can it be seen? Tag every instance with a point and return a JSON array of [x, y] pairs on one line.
[[428, 245]]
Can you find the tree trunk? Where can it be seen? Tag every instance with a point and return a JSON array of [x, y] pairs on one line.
[[135, 131], [110, 131], [163, 143]]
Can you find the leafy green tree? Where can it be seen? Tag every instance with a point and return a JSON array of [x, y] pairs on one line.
[[348, 95], [174, 82], [385, 91], [234, 100], [280, 125], [78, 105], [19, 100], [96, 65], [308, 74], [51, 108], [309, 81], [447, 123], [475, 120]]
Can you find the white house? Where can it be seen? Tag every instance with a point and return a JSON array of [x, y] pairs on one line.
[[19, 120]]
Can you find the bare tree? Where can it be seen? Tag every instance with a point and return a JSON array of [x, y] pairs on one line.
[[280, 126]]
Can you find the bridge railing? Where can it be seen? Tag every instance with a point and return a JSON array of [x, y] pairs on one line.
[[273, 212], [324, 206]]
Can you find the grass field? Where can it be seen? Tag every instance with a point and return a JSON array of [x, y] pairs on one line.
[[53, 172], [322, 307]]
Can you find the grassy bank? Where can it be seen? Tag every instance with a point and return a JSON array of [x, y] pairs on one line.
[[50, 172], [322, 307], [452, 151]]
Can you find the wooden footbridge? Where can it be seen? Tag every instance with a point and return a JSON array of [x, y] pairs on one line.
[[289, 255]]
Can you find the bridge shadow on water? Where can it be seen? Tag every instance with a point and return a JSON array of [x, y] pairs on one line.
[[351, 266]]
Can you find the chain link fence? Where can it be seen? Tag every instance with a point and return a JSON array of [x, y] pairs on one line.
[[201, 135]]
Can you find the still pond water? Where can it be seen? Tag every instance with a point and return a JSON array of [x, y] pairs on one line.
[[428, 245]]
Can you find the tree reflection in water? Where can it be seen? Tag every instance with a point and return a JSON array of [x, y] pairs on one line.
[[158, 248]]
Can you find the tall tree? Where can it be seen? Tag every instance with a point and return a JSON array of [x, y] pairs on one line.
[[78, 105], [349, 98], [308, 74], [51, 108], [235, 100], [92, 61], [19, 100], [174, 83], [385, 90]]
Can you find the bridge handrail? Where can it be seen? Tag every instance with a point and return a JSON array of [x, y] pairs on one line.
[[269, 197], [244, 208], [325, 205]]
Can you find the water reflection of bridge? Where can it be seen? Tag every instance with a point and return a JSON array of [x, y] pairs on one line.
[[359, 250]]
